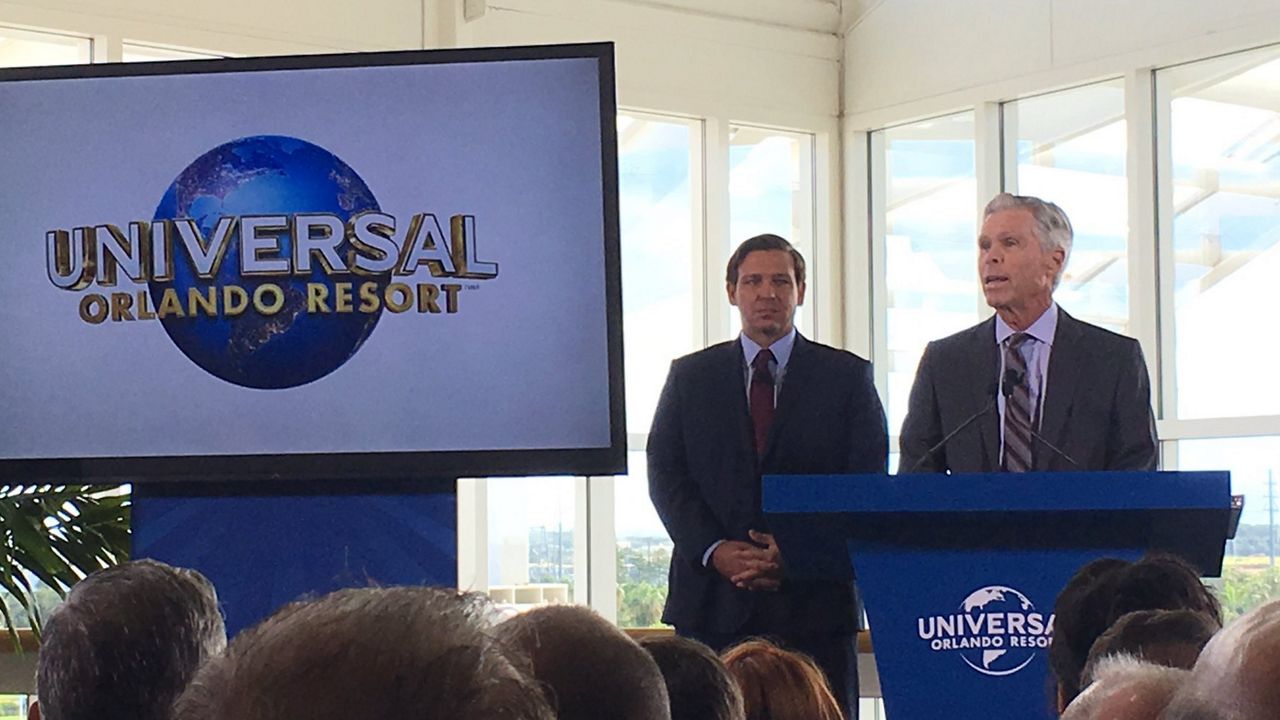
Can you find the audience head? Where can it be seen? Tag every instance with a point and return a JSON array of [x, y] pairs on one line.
[[1103, 591], [1238, 674], [368, 654], [126, 642], [590, 669], [1173, 638], [779, 684], [698, 684], [1125, 688]]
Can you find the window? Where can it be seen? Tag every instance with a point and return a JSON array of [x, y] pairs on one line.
[[643, 548], [531, 541], [137, 52], [770, 191], [661, 244], [1070, 149], [1220, 201], [1249, 574], [924, 193], [20, 48]]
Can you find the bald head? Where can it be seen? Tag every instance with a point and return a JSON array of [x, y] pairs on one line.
[[1236, 675], [1125, 688]]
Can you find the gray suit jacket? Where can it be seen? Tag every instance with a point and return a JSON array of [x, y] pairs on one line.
[[1097, 403]]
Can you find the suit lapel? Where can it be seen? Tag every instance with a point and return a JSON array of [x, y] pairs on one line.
[[733, 376], [1066, 361], [983, 387]]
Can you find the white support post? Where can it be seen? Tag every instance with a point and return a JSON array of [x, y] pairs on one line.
[[473, 534], [857, 296], [1146, 238], [596, 509], [718, 244]]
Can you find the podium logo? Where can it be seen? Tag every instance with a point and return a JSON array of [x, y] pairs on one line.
[[996, 632]]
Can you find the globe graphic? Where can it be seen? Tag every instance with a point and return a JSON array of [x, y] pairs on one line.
[[997, 599], [265, 175]]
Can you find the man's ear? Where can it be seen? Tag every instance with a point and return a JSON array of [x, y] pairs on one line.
[[732, 291], [800, 295], [33, 712]]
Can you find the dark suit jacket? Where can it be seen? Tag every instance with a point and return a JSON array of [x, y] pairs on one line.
[[704, 475], [1097, 403]]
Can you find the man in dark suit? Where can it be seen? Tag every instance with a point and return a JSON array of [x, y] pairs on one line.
[[769, 402], [1031, 388]]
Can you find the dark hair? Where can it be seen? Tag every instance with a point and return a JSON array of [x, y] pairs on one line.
[[763, 242], [590, 669], [698, 684], [1104, 590], [126, 643], [368, 653], [1172, 638], [779, 684]]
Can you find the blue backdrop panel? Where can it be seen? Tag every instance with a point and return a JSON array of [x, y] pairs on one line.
[[263, 551]]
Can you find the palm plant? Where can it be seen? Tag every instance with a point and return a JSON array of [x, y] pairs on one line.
[[56, 534]]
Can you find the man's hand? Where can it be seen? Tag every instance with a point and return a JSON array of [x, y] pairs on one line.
[[766, 574], [749, 566]]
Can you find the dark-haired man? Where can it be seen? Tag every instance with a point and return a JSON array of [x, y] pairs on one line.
[[698, 684], [572, 650], [769, 402], [126, 643], [369, 654]]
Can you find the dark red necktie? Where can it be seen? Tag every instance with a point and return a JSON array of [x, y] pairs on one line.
[[762, 398]]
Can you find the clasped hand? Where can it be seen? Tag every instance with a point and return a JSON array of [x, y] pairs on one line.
[[753, 565]]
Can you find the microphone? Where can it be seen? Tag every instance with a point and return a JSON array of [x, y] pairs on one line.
[[969, 421], [1012, 379]]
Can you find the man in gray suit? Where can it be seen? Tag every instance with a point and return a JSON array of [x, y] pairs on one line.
[[1030, 388]]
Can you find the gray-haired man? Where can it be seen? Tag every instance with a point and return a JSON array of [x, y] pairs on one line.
[[1030, 388]]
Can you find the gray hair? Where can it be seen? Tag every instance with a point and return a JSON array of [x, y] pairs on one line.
[[1127, 679], [126, 643], [1053, 228]]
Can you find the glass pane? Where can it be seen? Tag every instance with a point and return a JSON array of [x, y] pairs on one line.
[[13, 707], [644, 549], [770, 191], [930, 241], [19, 48], [531, 541], [1225, 136], [1070, 148], [658, 249], [149, 53], [1249, 575]]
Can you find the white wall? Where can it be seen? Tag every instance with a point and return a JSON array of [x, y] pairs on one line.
[[680, 60], [240, 27], [908, 59]]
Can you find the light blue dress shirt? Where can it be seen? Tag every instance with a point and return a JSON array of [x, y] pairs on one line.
[[1035, 353]]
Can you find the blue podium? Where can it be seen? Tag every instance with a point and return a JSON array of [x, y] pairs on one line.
[[959, 573]]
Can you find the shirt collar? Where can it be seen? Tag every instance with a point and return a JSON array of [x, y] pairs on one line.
[[1042, 329], [781, 348]]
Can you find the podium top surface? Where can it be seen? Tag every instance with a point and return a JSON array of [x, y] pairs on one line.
[[997, 492]]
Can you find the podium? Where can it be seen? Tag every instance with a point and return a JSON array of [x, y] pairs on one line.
[[959, 573]]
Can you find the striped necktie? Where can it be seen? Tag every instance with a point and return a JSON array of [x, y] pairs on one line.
[[1017, 407]]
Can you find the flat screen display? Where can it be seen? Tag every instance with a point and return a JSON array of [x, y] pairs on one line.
[[352, 266]]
